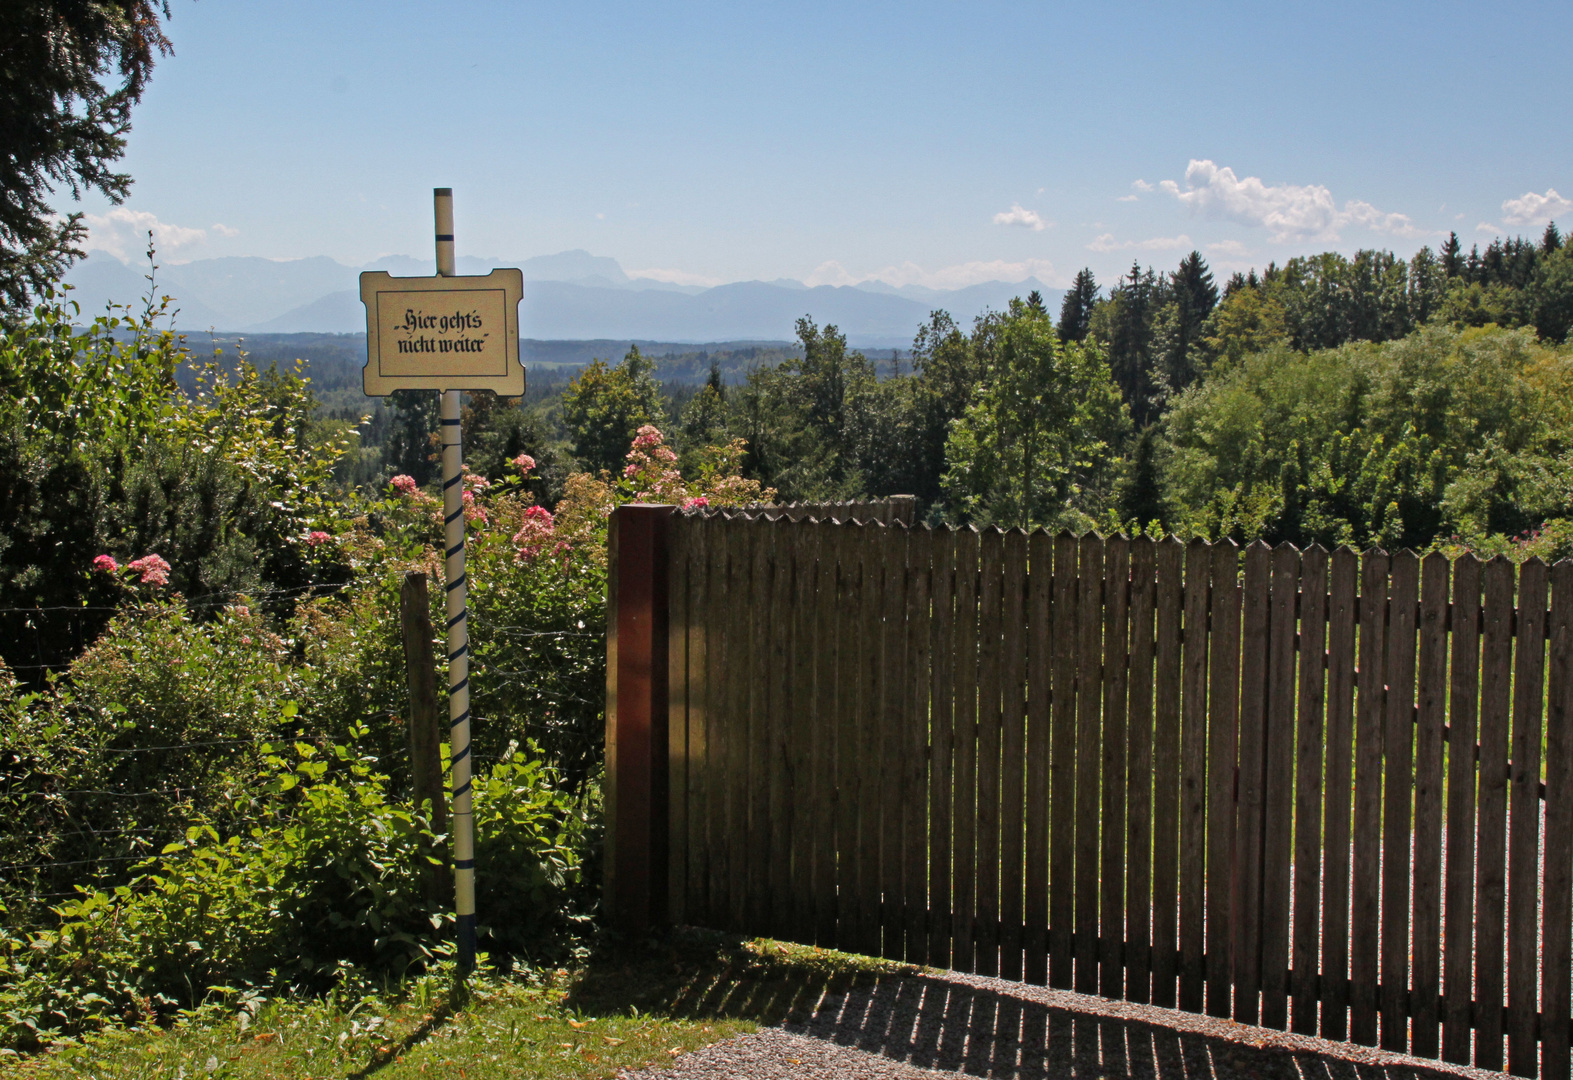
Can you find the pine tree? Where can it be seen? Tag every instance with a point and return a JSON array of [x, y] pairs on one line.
[[1139, 496], [1035, 301], [1452, 261], [1552, 240], [1076, 308], [1195, 296]]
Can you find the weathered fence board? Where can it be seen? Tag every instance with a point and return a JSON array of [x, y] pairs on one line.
[[1302, 789]]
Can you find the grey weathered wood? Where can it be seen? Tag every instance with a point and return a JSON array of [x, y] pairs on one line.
[[1013, 751], [823, 753], [1062, 766], [1496, 676], [1035, 909], [1310, 743], [1278, 797], [1223, 694], [943, 741], [1556, 988], [964, 792], [895, 694], [1342, 584], [1116, 638], [850, 726], [1365, 914], [424, 731], [1430, 717], [1166, 774], [1193, 777], [1458, 941], [1398, 773], [1523, 937], [739, 675], [780, 770], [678, 755], [1246, 905], [991, 547], [1089, 701], [1138, 783], [916, 731], [801, 606], [697, 881]]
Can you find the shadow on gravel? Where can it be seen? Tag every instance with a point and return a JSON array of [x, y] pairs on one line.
[[933, 1024]]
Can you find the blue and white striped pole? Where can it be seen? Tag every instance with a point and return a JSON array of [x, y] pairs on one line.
[[458, 628]]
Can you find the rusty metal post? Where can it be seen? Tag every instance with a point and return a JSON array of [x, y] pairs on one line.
[[636, 717]]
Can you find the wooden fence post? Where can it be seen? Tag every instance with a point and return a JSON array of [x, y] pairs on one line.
[[424, 731], [636, 717]]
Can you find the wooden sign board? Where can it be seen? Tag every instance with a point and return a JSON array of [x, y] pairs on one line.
[[443, 333]]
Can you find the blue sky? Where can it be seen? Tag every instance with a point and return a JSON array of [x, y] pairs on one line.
[[938, 144]]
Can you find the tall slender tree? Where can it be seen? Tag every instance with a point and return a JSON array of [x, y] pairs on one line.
[[1076, 308]]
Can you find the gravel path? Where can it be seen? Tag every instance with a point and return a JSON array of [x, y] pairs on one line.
[[925, 1026]]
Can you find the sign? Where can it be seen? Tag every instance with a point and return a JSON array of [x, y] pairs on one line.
[[443, 333]]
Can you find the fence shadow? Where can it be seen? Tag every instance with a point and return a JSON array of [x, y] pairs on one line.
[[933, 1023]]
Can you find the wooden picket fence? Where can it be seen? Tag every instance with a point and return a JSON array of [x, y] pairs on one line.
[[892, 510], [1323, 792]]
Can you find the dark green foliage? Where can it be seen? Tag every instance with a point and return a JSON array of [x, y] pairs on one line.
[[63, 121], [604, 407], [1139, 498], [1076, 307]]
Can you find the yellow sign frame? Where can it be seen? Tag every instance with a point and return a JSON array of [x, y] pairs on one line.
[[442, 333]]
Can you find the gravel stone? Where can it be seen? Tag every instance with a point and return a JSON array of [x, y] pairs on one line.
[[948, 1024]]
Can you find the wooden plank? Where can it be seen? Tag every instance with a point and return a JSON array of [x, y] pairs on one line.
[[1430, 719], [943, 740], [963, 813], [917, 733], [1062, 767], [1035, 908], [782, 735], [803, 606], [1223, 693], [1398, 776], [849, 729], [1166, 773], [1458, 940], [823, 756], [1365, 914], [763, 778], [1310, 742], [678, 766], [1556, 988], [991, 549], [1278, 797], [1089, 673], [1523, 938], [1013, 750], [1116, 639], [891, 750], [1138, 784], [1496, 676], [696, 598], [1193, 776], [1246, 904], [871, 758], [1343, 576]]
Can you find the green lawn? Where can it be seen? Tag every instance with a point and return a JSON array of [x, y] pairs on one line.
[[626, 1008]]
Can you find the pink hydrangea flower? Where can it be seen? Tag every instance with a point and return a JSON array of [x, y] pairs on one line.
[[525, 462], [405, 485], [154, 570], [473, 511], [106, 564], [317, 537], [695, 502], [537, 530]]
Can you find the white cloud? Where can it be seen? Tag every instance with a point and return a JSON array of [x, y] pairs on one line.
[[1128, 198], [1290, 211], [1487, 227], [123, 233], [1106, 242], [1532, 209], [675, 277], [1229, 247], [224, 230], [949, 277], [1140, 185], [1019, 215]]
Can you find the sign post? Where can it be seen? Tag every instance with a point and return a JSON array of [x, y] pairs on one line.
[[450, 334]]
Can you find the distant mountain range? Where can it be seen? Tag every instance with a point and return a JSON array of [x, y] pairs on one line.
[[569, 296]]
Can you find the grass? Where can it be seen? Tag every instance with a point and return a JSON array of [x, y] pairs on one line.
[[627, 1008]]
